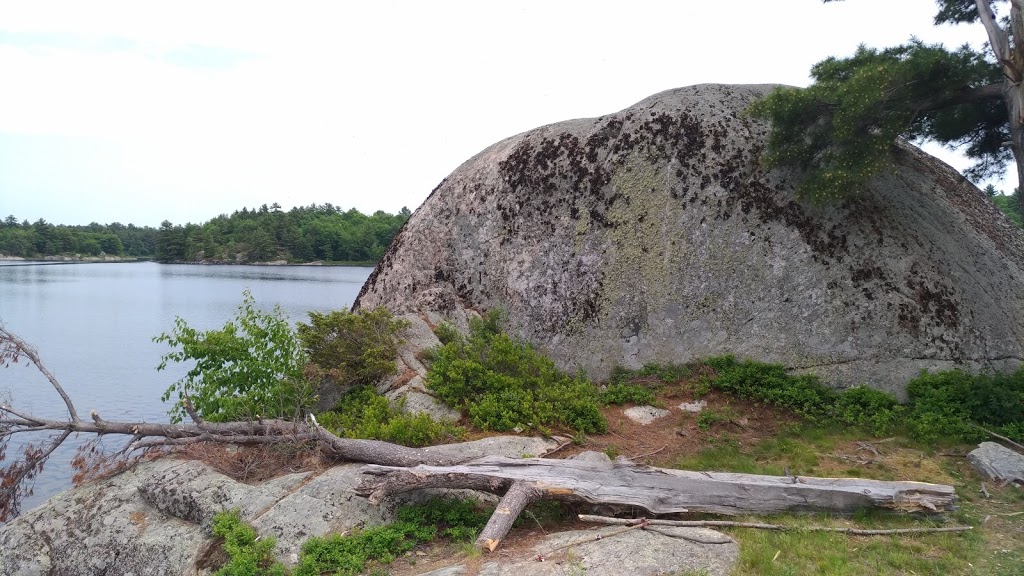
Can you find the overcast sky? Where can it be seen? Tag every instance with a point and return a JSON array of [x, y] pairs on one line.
[[139, 112]]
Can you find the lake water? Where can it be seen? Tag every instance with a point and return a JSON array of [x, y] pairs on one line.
[[93, 326]]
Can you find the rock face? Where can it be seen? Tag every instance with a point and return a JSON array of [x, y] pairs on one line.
[[654, 235]]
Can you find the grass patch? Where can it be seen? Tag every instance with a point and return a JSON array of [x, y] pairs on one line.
[[993, 547]]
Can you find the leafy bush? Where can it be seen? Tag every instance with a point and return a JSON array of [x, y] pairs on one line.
[[505, 384], [623, 393], [352, 347], [872, 410], [251, 367], [348, 555], [951, 404], [944, 405], [770, 383], [248, 556], [875, 411], [362, 413]]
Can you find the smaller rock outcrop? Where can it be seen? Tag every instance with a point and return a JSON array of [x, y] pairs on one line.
[[997, 462], [613, 552]]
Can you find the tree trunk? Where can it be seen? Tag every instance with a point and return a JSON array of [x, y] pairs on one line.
[[654, 490], [1011, 58]]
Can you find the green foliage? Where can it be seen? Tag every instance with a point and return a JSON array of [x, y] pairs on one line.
[[352, 348], [1011, 206], [951, 404], [505, 384], [457, 519], [771, 384], [944, 405], [446, 333], [362, 413], [623, 393], [251, 367], [44, 239], [871, 410], [348, 555], [302, 234], [248, 555], [840, 130], [708, 418]]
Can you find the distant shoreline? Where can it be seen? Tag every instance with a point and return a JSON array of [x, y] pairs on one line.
[[133, 259]]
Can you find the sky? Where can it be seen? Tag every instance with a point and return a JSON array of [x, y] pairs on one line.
[[139, 112]]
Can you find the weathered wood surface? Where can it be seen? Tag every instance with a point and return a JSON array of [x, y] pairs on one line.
[[661, 491]]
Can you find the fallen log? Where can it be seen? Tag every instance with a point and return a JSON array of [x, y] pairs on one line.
[[655, 490]]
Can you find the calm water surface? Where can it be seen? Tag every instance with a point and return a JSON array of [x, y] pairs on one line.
[[93, 324]]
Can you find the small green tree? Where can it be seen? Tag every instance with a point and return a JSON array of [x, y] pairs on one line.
[[352, 348], [840, 131], [252, 367]]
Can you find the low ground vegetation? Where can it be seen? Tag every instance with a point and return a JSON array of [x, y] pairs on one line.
[[445, 519], [758, 419]]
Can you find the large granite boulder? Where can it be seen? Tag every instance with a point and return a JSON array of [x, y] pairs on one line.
[[655, 235]]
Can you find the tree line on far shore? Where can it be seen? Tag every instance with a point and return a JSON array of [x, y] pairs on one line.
[[302, 234]]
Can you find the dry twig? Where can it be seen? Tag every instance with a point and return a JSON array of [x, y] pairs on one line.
[[761, 526]]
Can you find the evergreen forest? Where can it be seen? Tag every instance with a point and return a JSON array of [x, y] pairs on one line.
[[303, 234]]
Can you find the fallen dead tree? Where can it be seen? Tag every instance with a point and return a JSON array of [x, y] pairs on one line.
[[394, 469], [654, 490]]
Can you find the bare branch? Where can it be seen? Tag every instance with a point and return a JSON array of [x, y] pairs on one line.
[[762, 526], [12, 347]]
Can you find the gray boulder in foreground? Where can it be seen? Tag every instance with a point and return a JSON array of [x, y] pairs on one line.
[[154, 519], [636, 553], [656, 235], [997, 462]]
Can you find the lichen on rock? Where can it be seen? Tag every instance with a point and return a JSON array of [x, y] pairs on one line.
[[656, 235]]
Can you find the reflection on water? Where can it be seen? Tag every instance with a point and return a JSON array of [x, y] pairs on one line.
[[93, 326]]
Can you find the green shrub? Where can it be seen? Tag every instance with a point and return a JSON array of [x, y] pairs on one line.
[[347, 555], [504, 384], [362, 413], [944, 405], [352, 347], [458, 519], [623, 393], [771, 384], [252, 367], [248, 556], [952, 404], [872, 410]]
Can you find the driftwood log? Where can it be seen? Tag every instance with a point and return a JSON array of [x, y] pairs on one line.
[[654, 490]]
